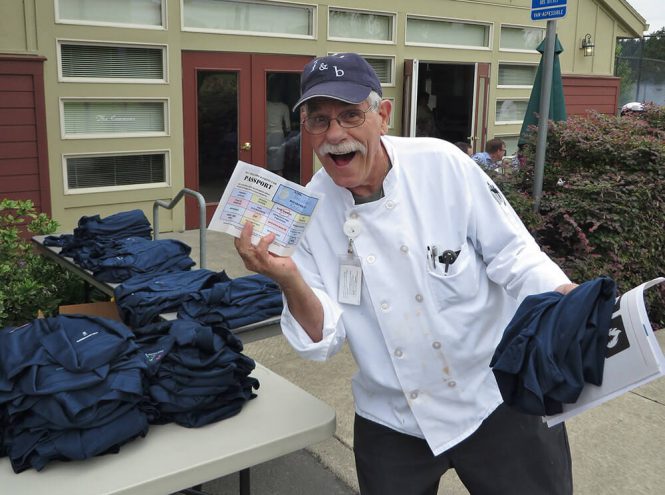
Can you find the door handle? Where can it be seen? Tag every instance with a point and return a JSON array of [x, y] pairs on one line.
[[246, 146]]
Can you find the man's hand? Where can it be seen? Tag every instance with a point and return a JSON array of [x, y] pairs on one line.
[[565, 288], [303, 303], [259, 259]]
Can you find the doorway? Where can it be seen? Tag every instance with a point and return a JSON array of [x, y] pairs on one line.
[[447, 91], [237, 106], [446, 100]]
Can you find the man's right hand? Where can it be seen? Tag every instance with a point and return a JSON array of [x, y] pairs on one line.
[[303, 303], [259, 259]]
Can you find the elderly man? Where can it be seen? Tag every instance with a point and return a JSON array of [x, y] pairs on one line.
[[416, 259]]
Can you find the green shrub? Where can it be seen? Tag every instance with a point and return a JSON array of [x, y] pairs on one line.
[[29, 283], [603, 206]]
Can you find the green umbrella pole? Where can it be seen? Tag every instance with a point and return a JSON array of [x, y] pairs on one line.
[[545, 93]]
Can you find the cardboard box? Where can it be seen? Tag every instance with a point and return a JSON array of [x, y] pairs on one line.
[[107, 309]]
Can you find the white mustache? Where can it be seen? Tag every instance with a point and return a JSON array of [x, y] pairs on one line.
[[342, 148]]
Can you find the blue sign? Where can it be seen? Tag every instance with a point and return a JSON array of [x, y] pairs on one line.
[[548, 14], [542, 4]]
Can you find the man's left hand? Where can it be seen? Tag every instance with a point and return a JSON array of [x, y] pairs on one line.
[[565, 288]]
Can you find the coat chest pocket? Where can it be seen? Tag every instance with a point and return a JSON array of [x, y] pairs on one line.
[[459, 283]]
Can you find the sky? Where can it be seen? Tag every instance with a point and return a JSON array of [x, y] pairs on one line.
[[652, 10]]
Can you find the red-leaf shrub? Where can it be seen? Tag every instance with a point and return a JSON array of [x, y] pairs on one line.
[[602, 210]]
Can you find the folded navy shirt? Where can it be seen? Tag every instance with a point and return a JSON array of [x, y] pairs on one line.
[[235, 302], [554, 345], [142, 298]]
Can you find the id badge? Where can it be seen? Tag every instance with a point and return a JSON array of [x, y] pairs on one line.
[[350, 279]]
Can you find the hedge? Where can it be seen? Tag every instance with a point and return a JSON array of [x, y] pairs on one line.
[[602, 210]]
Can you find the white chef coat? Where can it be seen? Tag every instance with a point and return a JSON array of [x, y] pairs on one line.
[[422, 338]]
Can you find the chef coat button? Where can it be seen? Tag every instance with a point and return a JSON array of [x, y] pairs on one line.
[[419, 298], [390, 204], [353, 214], [371, 259], [385, 306], [452, 383], [414, 394], [436, 344], [398, 352], [352, 228], [404, 249]]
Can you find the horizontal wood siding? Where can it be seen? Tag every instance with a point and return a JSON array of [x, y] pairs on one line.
[[23, 147], [20, 166], [584, 93]]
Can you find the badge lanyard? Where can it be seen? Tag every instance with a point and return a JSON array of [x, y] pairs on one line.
[[350, 269]]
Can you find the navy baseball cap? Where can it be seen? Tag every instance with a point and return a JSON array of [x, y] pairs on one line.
[[344, 76]]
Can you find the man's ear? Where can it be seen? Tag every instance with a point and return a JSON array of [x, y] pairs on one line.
[[385, 109]]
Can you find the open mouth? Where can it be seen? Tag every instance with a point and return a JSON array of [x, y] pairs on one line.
[[342, 158]]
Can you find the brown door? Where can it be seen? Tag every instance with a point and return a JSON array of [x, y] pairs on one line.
[[237, 106]]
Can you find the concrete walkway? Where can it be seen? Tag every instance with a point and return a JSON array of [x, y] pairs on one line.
[[617, 447]]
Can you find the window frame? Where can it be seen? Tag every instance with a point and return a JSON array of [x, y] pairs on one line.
[[105, 80], [392, 15], [519, 26], [162, 27], [515, 86], [130, 187], [237, 32], [489, 25], [114, 135], [508, 122]]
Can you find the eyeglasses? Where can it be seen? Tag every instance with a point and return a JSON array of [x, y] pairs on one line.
[[318, 124]]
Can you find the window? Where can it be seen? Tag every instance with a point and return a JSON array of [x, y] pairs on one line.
[[113, 172], [384, 68], [510, 111], [113, 118], [437, 32], [126, 13], [521, 38], [517, 75], [243, 17], [118, 63], [356, 25]]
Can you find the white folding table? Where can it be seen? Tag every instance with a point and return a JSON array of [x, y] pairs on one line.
[[282, 418]]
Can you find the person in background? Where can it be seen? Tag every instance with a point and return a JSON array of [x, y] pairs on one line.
[[425, 124], [278, 125], [465, 147], [492, 157], [415, 258]]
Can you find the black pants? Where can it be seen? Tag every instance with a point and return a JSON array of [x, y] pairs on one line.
[[510, 454]]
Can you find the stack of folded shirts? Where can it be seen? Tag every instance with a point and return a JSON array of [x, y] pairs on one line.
[[235, 303], [142, 298], [71, 388], [94, 233], [197, 373], [124, 258]]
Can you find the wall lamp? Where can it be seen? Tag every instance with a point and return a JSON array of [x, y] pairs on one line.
[[587, 45]]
